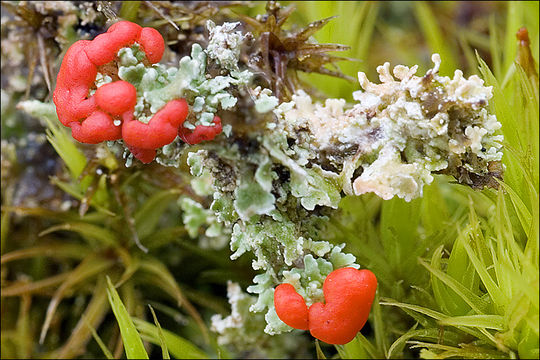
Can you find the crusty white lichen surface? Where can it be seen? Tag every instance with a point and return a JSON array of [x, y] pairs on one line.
[[400, 131]]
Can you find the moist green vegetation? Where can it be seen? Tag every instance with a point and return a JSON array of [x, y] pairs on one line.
[[100, 260]]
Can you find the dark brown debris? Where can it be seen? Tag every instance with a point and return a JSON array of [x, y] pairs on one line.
[[278, 54]]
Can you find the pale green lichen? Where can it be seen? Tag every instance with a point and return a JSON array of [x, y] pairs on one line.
[[244, 330], [269, 221], [264, 100], [400, 131], [202, 185], [202, 224], [274, 194], [252, 199], [101, 79]]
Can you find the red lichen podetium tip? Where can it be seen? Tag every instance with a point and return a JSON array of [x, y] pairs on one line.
[[96, 128], [523, 36], [160, 130], [201, 132], [91, 117], [77, 74], [291, 307], [108, 114], [104, 47], [348, 294], [152, 44], [146, 156], [117, 97]]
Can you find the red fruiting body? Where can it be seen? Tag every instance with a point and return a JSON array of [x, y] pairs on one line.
[[152, 43], [78, 74], [160, 130], [116, 98], [348, 293], [201, 132], [104, 47], [96, 128], [144, 155], [291, 307], [92, 118]]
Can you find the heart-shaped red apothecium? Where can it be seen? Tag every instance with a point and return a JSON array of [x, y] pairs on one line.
[[348, 295]]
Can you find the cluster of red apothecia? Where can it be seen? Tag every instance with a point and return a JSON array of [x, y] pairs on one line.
[[108, 114], [348, 295]]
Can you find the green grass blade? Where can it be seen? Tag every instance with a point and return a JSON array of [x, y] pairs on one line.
[[366, 33], [420, 309], [437, 316], [466, 351], [353, 350], [27, 288], [5, 218], [96, 337], [440, 292], [147, 217], [399, 233], [495, 322], [480, 267], [514, 21], [132, 341], [178, 346], [166, 281], [87, 231], [164, 350], [89, 267], [93, 315], [467, 295], [434, 37], [368, 346], [379, 327], [494, 48], [55, 250], [500, 106], [129, 10], [399, 344], [523, 213], [467, 51], [318, 350]]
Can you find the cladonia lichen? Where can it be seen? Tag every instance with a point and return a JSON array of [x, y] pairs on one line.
[[206, 92], [268, 187], [275, 186]]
